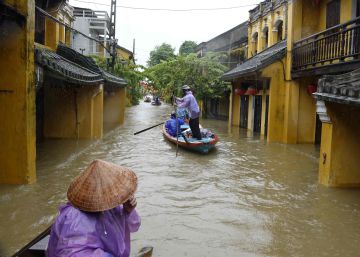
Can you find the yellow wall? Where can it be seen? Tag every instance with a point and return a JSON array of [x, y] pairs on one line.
[[114, 107], [259, 25], [52, 33], [307, 114], [345, 12], [276, 113], [62, 105], [341, 143], [17, 97], [235, 109], [123, 54]]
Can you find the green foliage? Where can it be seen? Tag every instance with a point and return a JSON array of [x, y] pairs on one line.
[[130, 72], [187, 47], [163, 52], [202, 74]]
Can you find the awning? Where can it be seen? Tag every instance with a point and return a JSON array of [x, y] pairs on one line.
[[62, 69], [343, 88], [257, 62]]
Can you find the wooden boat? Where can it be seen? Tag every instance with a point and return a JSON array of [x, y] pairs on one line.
[[37, 247], [205, 145]]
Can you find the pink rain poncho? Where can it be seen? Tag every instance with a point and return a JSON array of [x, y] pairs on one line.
[[83, 234]]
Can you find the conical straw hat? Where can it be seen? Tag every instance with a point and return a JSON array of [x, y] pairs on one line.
[[102, 186]]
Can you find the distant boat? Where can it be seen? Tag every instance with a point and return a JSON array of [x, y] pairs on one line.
[[156, 101], [205, 145], [147, 99]]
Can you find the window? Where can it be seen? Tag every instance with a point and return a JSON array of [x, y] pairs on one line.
[[280, 31], [255, 43], [266, 37], [333, 13]]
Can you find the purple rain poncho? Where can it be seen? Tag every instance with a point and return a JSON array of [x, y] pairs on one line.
[[189, 102], [83, 234]]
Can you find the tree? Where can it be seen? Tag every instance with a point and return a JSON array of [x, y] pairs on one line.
[[130, 72], [163, 52], [202, 74], [187, 47]]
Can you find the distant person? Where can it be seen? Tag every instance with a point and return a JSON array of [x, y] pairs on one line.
[[100, 214], [191, 104], [170, 125]]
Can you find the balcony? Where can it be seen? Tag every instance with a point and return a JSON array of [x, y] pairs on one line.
[[334, 50]]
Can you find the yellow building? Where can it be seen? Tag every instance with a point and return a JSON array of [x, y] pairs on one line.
[[57, 94], [258, 84], [314, 38]]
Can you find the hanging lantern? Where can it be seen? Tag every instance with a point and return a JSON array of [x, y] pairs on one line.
[[311, 89], [251, 91], [239, 91]]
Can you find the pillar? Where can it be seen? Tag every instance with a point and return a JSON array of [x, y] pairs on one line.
[[340, 145], [291, 112], [52, 32], [235, 109], [17, 95]]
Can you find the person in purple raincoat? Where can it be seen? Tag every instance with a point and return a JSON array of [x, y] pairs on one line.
[[189, 102], [100, 215]]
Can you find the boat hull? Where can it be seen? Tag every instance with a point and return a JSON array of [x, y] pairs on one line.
[[204, 146]]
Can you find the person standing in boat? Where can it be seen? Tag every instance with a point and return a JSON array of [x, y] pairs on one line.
[[191, 104], [100, 215]]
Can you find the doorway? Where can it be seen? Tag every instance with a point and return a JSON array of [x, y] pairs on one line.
[[257, 113], [244, 108]]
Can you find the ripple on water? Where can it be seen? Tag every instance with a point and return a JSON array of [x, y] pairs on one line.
[[246, 198]]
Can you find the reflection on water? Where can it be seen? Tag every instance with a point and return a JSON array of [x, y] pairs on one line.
[[247, 198]]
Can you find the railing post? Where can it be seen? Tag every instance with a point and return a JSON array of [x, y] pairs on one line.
[[342, 43]]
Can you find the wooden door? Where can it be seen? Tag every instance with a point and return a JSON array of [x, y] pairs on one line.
[[244, 109], [257, 113], [266, 115]]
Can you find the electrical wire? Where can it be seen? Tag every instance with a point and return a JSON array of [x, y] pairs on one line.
[[171, 10]]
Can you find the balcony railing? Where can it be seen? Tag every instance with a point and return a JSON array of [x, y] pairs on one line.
[[335, 45]]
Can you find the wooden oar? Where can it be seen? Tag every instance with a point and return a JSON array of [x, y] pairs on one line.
[[141, 131], [177, 126]]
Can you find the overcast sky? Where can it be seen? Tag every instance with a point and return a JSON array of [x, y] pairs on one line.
[[151, 28]]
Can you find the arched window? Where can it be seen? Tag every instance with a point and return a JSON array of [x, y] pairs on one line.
[[266, 37], [255, 43], [278, 29]]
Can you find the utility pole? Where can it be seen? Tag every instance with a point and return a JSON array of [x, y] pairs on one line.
[[112, 40]]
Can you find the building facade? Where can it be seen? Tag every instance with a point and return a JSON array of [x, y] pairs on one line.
[[289, 52], [233, 43], [48, 90], [96, 24]]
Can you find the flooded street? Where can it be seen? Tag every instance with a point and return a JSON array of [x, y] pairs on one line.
[[246, 198]]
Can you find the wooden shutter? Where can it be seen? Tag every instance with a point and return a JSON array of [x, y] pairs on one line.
[[333, 13]]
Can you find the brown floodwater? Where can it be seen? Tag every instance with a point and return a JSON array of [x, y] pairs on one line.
[[246, 198]]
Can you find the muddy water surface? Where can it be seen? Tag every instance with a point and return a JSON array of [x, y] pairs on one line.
[[247, 198]]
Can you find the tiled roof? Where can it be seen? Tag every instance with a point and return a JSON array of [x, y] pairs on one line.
[[257, 62], [78, 58], [89, 63], [64, 69], [343, 88], [112, 80]]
